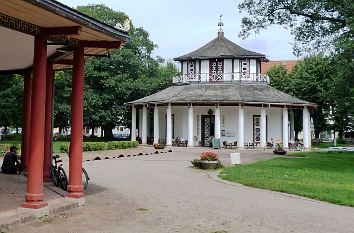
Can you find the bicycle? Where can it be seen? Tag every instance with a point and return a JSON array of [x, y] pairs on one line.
[[57, 173]]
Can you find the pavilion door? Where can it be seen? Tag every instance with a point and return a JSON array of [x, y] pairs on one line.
[[208, 127], [216, 70], [256, 128]]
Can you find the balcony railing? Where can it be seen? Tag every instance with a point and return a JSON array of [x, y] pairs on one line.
[[221, 78]]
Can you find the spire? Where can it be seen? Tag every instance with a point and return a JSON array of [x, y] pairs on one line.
[[221, 24]]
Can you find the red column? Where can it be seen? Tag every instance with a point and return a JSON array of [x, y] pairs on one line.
[[34, 195], [75, 189], [26, 119], [48, 138]]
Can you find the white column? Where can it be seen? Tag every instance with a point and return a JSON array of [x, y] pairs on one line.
[[240, 126], [309, 124], [285, 128], [263, 127], [190, 125], [156, 124], [169, 126], [292, 127], [305, 127], [140, 122], [217, 122], [133, 129], [144, 126]]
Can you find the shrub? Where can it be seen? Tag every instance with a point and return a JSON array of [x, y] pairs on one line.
[[11, 137], [4, 148], [96, 146], [209, 156]]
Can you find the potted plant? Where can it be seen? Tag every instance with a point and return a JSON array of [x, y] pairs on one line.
[[160, 145], [209, 160], [279, 150]]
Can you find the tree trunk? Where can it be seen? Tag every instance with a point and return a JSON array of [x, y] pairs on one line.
[[108, 135], [16, 130], [60, 130], [340, 134], [101, 132], [317, 134]]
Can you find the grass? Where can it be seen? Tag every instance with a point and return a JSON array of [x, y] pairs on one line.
[[318, 175]]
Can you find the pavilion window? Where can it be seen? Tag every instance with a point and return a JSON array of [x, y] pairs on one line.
[[245, 68], [191, 68], [216, 69]]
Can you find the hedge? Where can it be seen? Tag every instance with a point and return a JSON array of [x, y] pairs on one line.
[[4, 148], [96, 146]]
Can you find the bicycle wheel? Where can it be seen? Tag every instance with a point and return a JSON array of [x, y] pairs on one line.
[[85, 178], [63, 179]]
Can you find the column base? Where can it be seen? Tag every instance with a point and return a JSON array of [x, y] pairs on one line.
[[75, 191], [38, 212], [34, 205]]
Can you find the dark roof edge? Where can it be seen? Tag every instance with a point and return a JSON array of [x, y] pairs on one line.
[[80, 18], [263, 57], [309, 104]]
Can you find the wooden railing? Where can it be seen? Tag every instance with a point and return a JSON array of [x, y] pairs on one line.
[[221, 78]]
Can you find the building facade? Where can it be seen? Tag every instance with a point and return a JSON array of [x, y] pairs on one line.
[[220, 94]]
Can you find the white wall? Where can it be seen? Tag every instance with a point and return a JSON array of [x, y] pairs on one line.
[[205, 70], [229, 124], [274, 124], [227, 69], [184, 68], [253, 66], [236, 65]]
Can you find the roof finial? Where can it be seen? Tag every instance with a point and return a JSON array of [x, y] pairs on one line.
[[221, 24]]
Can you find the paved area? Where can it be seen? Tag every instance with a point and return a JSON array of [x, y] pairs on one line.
[[162, 193]]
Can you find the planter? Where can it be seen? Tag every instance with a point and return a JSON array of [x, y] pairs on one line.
[[156, 146], [279, 152], [209, 164]]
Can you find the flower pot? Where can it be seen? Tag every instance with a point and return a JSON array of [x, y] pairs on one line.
[[209, 164], [279, 152], [196, 163], [156, 146]]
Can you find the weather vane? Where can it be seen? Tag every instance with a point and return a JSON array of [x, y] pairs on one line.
[[220, 24]]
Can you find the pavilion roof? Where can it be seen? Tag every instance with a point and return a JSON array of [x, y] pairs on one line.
[[220, 47], [21, 20], [223, 93]]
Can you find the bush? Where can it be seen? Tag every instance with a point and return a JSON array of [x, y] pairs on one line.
[[96, 146], [4, 148], [11, 137], [341, 141]]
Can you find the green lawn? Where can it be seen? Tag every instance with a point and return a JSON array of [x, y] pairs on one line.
[[317, 175]]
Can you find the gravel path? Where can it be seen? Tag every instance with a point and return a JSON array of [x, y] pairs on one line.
[[162, 193]]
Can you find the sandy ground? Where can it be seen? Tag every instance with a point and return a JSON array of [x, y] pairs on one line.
[[162, 193]]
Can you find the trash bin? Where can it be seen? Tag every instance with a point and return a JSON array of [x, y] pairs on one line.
[[235, 158]]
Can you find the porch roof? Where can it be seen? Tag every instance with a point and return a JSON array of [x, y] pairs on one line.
[[222, 93]]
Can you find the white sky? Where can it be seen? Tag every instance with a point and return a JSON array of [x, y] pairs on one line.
[[181, 26]]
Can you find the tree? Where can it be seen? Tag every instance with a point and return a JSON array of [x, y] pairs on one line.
[[311, 80], [127, 74], [11, 96], [62, 98], [317, 25]]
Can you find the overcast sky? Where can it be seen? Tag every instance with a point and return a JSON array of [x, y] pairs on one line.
[[181, 26]]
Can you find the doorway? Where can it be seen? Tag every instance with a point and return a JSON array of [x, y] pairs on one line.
[[208, 128]]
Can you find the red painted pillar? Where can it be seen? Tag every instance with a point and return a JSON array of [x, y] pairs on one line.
[[75, 189], [26, 119], [48, 135], [34, 195]]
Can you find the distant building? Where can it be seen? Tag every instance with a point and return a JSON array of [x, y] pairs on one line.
[[288, 64], [222, 93]]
